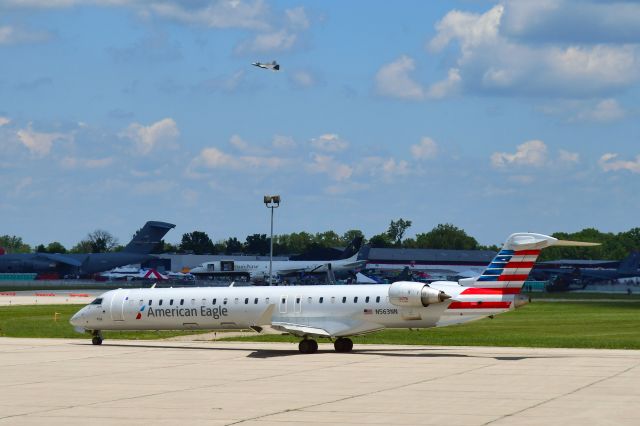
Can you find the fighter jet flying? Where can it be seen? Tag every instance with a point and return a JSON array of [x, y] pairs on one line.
[[273, 66]]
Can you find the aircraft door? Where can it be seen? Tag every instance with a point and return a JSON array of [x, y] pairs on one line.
[[118, 302], [283, 304], [297, 307]]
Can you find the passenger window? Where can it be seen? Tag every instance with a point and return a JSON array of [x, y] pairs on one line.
[[366, 300], [214, 301], [225, 301], [344, 299], [246, 300], [150, 302], [255, 301], [236, 300], [283, 301], [378, 299], [181, 301], [171, 302], [355, 299], [309, 300], [160, 302], [297, 300], [321, 299], [204, 302], [266, 300], [333, 299], [141, 302]]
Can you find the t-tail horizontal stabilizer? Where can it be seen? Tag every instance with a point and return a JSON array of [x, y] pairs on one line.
[[147, 238], [511, 267]]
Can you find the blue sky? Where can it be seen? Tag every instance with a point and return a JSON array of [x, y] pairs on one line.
[[497, 117]]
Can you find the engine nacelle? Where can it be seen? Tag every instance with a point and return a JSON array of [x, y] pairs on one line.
[[412, 294]]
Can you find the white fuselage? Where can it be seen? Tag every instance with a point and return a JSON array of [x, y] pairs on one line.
[[259, 269], [367, 307]]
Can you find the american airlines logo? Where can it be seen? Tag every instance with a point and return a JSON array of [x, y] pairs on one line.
[[215, 312]]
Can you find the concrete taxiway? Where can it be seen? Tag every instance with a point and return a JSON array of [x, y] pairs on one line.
[[48, 297], [69, 382]]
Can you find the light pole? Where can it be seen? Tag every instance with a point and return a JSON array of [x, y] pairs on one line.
[[271, 202]]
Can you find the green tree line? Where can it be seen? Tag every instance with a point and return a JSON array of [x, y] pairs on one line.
[[442, 236]]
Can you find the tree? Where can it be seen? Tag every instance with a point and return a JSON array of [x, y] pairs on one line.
[[257, 244], [327, 239], [348, 236], [197, 242], [397, 229], [56, 247], [380, 241], [446, 236], [40, 248], [102, 241], [13, 244], [233, 245]]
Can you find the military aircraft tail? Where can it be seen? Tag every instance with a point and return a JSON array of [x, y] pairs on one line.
[[352, 249], [511, 267], [629, 265], [148, 237]]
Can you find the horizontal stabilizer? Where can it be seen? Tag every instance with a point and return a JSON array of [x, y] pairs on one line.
[[566, 243]]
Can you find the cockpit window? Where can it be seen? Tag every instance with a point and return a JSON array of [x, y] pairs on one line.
[[98, 301]]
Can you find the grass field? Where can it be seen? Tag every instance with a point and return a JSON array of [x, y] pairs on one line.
[[608, 325], [570, 295], [38, 321]]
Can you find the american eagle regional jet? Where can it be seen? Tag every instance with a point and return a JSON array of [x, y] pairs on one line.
[[335, 312]]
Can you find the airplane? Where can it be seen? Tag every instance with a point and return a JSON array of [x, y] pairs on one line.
[[273, 66], [336, 312], [138, 249], [258, 270], [584, 272]]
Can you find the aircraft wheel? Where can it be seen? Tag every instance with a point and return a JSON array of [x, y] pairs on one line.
[[308, 346], [343, 344], [96, 340]]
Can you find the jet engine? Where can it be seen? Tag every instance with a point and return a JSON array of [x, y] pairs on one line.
[[412, 294]]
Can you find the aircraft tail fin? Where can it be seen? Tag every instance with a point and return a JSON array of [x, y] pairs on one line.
[[629, 265], [276, 67], [148, 237], [512, 265], [352, 249]]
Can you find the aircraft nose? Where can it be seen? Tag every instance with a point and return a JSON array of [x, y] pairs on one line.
[[76, 319]]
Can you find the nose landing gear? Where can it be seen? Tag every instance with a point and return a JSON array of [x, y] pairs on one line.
[[97, 337]]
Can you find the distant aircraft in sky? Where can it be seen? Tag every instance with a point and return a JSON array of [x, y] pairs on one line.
[[273, 66], [137, 251], [259, 269], [335, 312]]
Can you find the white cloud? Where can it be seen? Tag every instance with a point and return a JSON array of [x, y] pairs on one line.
[[531, 153], [39, 144], [394, 80], [147, 138], [239, 143], [297, 18], [386, 167], [491, 60], [86, 163], [568, 157], [605, 111], [446, 87], [4, 121], [302, 79], [12, 35], [608, 163], [214, 158], [283, 142], [426, 148], [275, 41], [329, 142], [330, 166]]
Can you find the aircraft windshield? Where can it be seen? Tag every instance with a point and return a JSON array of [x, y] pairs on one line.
[[98, 301]]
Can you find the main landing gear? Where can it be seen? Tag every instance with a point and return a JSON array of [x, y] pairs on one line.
[[343, 344], [308, 346], [97, 337]]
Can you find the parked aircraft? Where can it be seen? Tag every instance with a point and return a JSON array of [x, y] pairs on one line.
[[584, 272], [273, 66], [259, 269], [138, 249], [328, 311]]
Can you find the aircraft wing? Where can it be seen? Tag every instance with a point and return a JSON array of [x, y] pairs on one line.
[[60, 258], [325, 327]]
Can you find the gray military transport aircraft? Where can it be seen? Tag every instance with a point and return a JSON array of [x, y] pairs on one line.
[[136, 251]]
